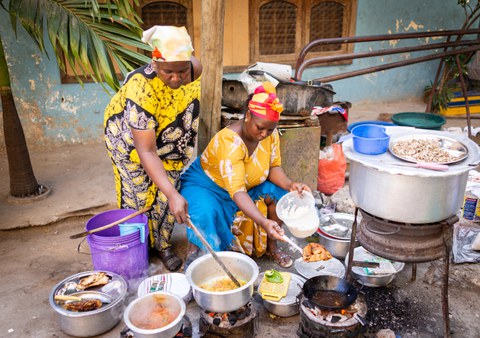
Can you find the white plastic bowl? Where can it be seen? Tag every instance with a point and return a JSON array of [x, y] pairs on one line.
[[299, 214], [167, 331]]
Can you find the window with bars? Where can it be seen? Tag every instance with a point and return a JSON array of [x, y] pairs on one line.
[[280, 29], [165, 13]]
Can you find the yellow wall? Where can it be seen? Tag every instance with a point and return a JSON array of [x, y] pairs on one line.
[[235, 41], [236, 33]]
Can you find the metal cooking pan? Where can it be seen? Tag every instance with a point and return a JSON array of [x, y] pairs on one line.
[[329, 292]]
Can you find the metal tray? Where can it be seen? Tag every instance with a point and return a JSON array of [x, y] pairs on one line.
[[452, 146]]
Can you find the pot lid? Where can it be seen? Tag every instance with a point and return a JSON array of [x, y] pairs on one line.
[[331, 267], [337, 225], [294, 288], [389, 163], [175, 283]]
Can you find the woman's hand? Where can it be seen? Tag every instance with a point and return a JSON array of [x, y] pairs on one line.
[[274, 231], [178, 207], [299, 187]]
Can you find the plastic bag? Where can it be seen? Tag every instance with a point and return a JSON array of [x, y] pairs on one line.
[[474, 67], [250, 82], [464, 237], [331, 169]]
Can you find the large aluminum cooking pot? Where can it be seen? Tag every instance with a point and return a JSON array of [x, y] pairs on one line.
[[408, 194], [91, 323], [205, 269]]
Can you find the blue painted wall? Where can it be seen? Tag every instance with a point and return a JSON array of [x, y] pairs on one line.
[[376, 17], [53, 113]]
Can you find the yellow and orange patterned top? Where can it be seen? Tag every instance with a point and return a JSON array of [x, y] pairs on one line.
[[227, 162], [144, 102]]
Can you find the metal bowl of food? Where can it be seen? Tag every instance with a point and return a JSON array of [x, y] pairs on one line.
[[89, 303], [212, 288], [287, 306], [155, 315], [374, 277]]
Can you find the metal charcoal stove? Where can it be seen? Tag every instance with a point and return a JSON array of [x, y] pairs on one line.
[[344, 323], [406, 242], [240, 323]]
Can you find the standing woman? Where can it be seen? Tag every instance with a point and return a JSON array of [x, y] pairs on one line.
[[233, 187], [151, 126]]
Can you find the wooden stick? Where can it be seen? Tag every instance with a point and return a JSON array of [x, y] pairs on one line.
[[205, 243], [85, 233], [365, 264]]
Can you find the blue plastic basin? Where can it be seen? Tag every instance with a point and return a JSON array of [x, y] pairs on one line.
[[379, 123], [370, 139]]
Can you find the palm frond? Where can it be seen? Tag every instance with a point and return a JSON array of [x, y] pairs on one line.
[[87, 35]]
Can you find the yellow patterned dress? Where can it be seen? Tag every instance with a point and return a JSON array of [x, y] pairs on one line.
[[144, 102], [224, 168]]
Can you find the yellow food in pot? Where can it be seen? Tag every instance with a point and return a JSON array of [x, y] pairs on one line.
[[221, 284]]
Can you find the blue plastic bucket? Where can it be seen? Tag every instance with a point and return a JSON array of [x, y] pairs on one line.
[[125, 255], [370, 139]]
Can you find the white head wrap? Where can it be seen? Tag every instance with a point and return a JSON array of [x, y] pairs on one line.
[[169, 43]]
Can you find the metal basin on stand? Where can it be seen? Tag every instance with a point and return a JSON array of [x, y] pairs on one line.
[[408, 194]]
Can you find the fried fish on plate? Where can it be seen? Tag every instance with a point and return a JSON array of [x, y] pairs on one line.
[[314, 252], [95, 279], [83, 305]]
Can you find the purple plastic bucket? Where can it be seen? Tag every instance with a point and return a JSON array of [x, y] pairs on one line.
[[110, 216], [126, 255]]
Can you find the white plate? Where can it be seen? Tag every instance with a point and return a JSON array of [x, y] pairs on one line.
[[332, 267], [171, 282]]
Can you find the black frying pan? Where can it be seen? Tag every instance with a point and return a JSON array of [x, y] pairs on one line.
[[329, 292]]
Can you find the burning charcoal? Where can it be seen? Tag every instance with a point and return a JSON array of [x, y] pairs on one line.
[[232, 318], [335, 319], [241, 314], [217, 321]]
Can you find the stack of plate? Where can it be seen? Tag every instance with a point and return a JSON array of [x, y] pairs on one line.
[[175, 283]]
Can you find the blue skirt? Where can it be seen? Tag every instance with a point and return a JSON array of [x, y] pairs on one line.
[[212, 210]]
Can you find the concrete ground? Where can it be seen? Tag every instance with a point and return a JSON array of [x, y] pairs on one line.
[[37, 253]]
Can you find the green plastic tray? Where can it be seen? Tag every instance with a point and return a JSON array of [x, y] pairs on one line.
[[419, 120]]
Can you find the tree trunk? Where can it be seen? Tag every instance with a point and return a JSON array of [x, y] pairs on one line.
[[213, 12], [22, 180]]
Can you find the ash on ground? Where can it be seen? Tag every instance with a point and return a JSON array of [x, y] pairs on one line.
[[405, 317]]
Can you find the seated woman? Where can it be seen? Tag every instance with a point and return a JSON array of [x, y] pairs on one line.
[[233, 187]]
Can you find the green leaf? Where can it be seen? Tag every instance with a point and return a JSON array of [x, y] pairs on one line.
[[273, 276], [92, 37]]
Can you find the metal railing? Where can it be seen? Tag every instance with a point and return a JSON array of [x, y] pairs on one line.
[[453, 46]]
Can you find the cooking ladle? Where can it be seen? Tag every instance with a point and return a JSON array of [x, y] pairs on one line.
[[209, 248], [292, 243]]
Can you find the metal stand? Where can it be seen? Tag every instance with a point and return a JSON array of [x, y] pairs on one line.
[[446, 260]]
